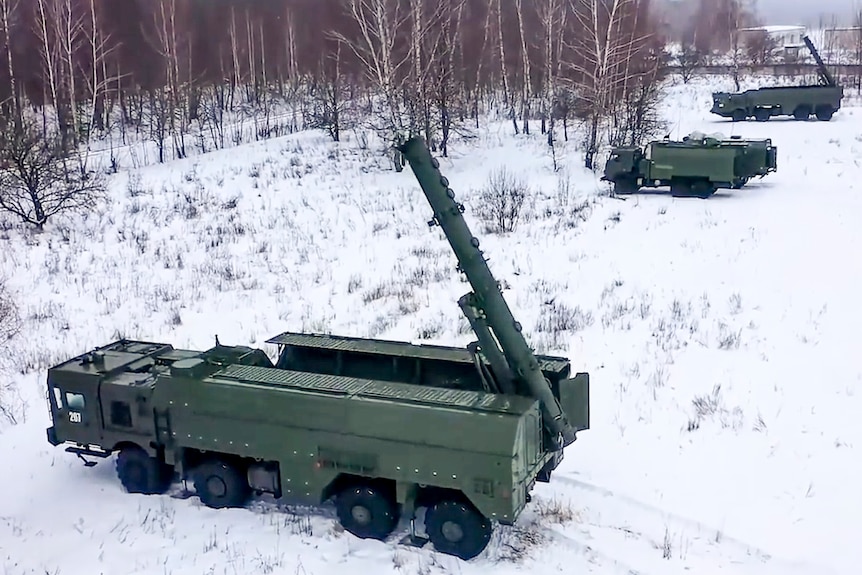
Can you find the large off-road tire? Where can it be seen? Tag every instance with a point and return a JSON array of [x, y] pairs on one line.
[[220, 484], [802, 112], [824, 112], [702, 189], [680, 188], [457, 528], [140, 473], [367, 512], [739, 115], [625, 185], [761, 114]]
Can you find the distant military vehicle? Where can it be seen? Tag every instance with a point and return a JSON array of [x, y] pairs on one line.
[[696, 166], [384, 428], [822, 99]]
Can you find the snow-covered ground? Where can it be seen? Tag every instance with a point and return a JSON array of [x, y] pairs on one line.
[[720, 336]]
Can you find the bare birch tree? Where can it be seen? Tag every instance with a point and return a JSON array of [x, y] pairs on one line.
[[603, 50], [70, 35], [445, 54], [552, 16], [331, 99], [477, 91], [508, 93], [378, 23], [50, 56], [169, 105], [431, 50], [8, 16], [95, 77], [526, 73], [293, 78]]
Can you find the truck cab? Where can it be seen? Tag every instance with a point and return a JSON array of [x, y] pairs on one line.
[[721, 105], [623, 160], [103, 398]]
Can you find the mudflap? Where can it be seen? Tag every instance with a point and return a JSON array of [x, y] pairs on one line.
[[181, 492], [412, 539], [544, 475]]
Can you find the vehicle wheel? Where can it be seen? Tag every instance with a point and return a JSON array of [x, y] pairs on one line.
[[140, 473], [824, 113], [802, 112], [367, 512], [458, 529], [219, 485], [680, 189], [702, 189], [761, 114], [625, 186], [739, 115]]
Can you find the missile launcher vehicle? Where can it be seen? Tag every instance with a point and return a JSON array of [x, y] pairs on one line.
[[697, 166], [385, 429], [822, 99]]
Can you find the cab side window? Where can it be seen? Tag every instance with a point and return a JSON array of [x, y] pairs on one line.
[[75, 401]]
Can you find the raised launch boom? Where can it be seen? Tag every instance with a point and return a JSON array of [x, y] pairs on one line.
[[487, 298]]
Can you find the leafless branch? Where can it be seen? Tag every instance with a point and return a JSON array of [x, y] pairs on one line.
[[36, 180]]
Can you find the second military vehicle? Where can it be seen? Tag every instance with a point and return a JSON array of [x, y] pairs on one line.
[[383, 428], [822, 99], [696, 166]]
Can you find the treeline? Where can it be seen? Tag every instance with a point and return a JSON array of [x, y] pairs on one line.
[[178, 72]]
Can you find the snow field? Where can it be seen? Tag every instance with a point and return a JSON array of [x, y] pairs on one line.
[[719, 335]]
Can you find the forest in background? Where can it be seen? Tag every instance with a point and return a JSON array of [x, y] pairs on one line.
[[83, 78], [178, 72]]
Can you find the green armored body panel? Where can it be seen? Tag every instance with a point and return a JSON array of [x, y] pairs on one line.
[[696, 166], [382, 428], [822, 99]]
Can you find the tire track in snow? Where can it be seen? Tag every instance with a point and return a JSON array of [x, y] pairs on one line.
[[687, 540], [609, 533]]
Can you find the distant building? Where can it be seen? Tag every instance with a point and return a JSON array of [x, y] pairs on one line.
[[842, 38], [782, 40]]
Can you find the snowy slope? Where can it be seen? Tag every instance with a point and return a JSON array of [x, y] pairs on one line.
[[719, 335]]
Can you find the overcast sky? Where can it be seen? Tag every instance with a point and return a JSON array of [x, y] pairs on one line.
[[804, 12]]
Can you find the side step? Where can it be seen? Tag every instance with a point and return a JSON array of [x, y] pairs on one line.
[[82, 451]]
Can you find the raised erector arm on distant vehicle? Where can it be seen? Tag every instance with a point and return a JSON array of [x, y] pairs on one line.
[[824, 76]]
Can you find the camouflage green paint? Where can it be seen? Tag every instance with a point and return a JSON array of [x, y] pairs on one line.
[[313, 426], [822, 99], [382, 422], [697, 165]]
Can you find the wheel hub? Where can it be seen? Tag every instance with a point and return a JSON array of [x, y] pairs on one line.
[[360, 514], [452, 531], [216, 486]]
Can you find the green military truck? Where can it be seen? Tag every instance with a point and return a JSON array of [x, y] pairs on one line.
[[697, 166], [383, 428], [822, 99]]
